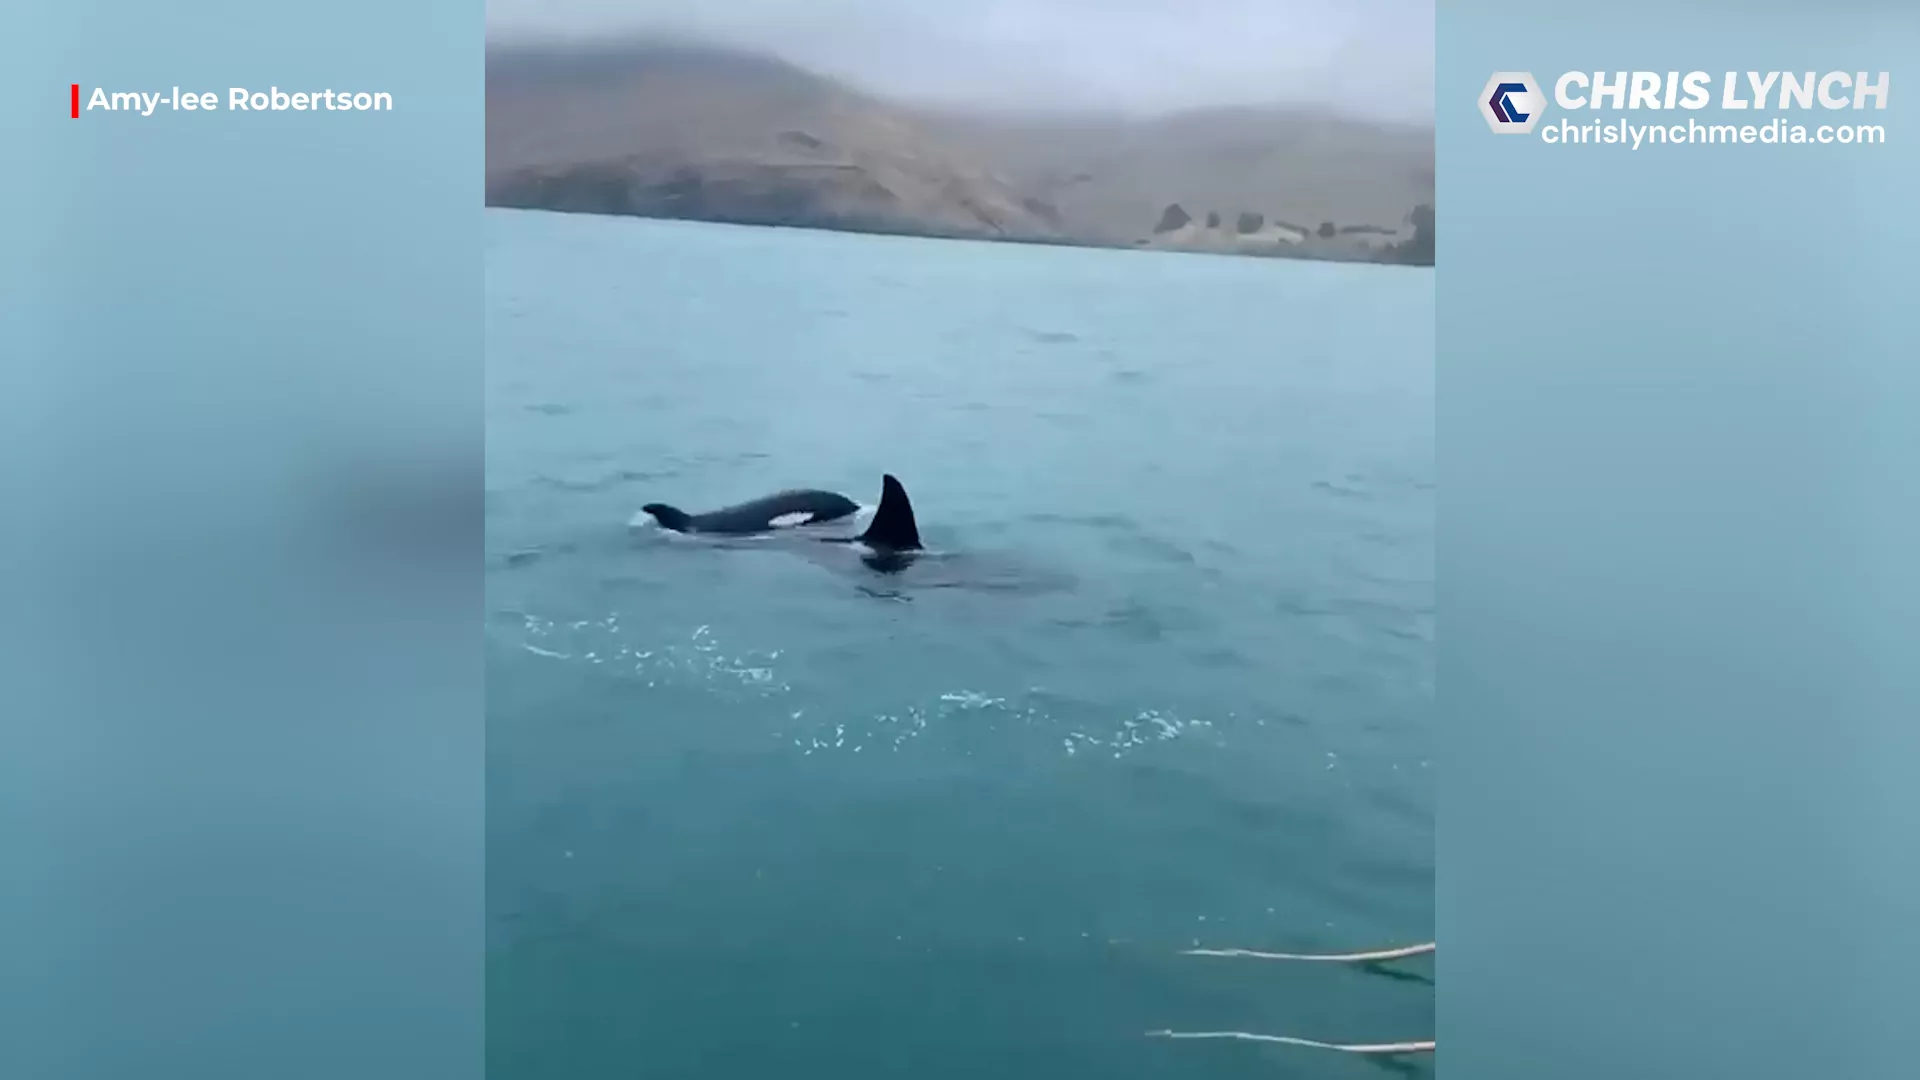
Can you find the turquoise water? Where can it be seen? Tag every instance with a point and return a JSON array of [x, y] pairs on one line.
[[749, 819]]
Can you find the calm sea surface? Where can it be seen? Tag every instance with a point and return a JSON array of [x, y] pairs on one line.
[[747, 818]]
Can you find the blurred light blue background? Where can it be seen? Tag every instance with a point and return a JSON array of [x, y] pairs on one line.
[[1676, 592], [241, 795]]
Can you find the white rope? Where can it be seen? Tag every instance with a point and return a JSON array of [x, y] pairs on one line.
[[1425, 1047], [1345, 1048], [1348, 958]]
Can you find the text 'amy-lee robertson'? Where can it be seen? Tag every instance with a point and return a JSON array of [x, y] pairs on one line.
[[238, 99]]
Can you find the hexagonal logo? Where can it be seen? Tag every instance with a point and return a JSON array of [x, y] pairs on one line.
[[1512, 102]]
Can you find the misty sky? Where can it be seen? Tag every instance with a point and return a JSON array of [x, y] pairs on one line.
[[1372, 57]]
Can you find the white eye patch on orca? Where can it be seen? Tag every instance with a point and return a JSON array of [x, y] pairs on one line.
[[786, 521]]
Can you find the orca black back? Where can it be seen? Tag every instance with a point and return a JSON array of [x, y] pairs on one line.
[[804, 506]]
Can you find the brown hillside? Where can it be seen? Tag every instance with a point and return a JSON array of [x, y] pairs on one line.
[[676, 130]]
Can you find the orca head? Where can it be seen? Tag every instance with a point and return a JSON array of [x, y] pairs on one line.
[[669, 517], [893, 530]]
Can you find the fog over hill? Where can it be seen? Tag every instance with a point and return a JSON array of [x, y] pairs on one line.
[[669, 126], [1367, 58]]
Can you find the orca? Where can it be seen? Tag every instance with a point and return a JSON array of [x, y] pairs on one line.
[[781, 510], [892, 539], [892, 549], [889, 556]]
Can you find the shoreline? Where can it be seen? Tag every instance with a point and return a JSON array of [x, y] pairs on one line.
[[1361, 258]]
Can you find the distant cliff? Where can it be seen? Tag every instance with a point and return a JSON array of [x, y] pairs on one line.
[[685, 131]]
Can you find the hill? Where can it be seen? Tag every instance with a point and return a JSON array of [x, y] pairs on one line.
[[667, 129]]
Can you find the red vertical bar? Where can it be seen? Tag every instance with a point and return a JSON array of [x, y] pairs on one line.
[[76, 101]]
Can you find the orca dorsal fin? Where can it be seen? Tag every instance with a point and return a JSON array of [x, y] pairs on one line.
[[893, 527]]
